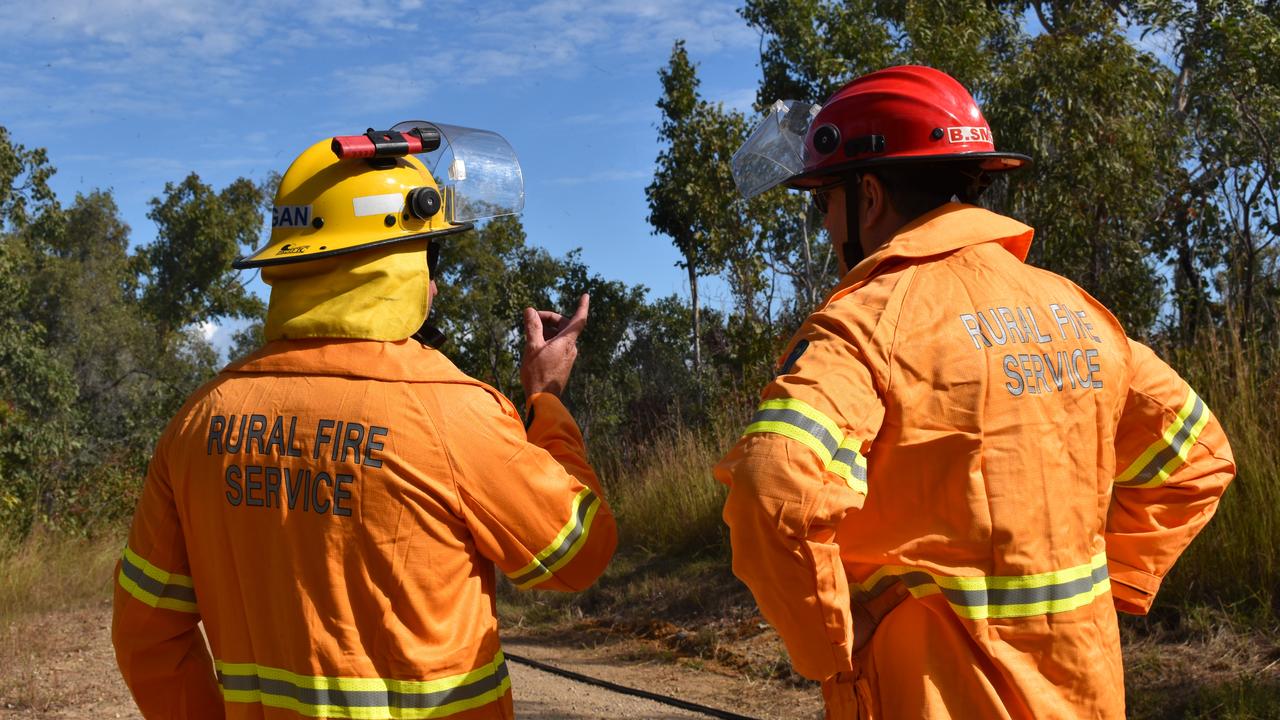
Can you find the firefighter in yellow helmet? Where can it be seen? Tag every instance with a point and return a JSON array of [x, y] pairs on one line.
[[332, 506]]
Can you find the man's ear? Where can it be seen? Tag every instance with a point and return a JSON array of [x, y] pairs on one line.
[[874, 199]]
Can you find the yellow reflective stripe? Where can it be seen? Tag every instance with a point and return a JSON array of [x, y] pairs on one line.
[[1010, 596], [799, 421], [164, 577], [367, 698], [564, 547], [1017, 582], [155, 587], [850, 465], [1154, 466]]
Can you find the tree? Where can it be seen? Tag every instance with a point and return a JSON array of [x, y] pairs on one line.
[[1221, 217], [24, 184], [188, 268], [487, 277], [673, 195], [1076, 93]]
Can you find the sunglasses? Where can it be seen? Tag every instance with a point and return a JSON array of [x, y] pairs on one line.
[[821, 196], [433, 257]]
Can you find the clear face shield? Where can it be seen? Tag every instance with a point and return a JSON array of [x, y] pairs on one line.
[[477, 170], [774, 152]]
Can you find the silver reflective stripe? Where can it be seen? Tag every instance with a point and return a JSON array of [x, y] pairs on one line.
[[1024, 596], [798, 420], [153, 586], [579, 527], [860, 595], [849, 457], [1170, 451], [981, 597], [347, 698]]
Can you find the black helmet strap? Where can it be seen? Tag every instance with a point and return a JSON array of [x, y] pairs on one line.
[[852, 248]]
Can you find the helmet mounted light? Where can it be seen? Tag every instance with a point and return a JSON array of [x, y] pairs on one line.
[[386, 143]]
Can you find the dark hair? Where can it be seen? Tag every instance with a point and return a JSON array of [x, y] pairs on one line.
[[914, 190]]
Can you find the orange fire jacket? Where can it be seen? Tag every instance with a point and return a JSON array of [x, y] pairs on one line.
[[332, 512], [969, 452]]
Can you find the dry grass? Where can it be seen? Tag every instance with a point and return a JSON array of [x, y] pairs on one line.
[[1235, 563], [669, 506], [48, 571], [53, 594], [1201, 664]]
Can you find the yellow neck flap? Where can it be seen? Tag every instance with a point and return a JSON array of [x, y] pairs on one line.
[[380, 294]]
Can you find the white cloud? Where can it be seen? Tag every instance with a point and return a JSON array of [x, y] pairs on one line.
[[84, 63], [207, 329]]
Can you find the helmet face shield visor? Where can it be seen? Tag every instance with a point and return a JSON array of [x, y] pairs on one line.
[[478, 172], [774, 152]]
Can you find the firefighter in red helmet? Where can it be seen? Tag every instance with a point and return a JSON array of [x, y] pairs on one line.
[[964, 466]]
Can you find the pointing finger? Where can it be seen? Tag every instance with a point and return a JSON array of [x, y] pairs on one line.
[[579, 319]]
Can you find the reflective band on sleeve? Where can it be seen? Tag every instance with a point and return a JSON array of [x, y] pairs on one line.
[[851, 465], [564, 547], [800, 422], [803, 423], [1154, 466], [156, 587], [365, 698], [1008, 596]]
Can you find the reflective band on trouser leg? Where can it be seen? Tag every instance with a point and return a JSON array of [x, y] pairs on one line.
[[803, 423], [565, 545], [363, 698], [1158, 462], [155, 587], [999, 596]]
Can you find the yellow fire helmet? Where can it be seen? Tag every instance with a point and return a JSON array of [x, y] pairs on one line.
[[354, 214]]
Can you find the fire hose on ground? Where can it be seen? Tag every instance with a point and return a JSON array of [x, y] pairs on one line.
[[624, 690]]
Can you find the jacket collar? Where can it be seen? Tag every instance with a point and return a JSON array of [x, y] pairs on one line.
[[948, 228], [402, 361]]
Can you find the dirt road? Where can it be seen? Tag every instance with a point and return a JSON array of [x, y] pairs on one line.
[[60, 665]]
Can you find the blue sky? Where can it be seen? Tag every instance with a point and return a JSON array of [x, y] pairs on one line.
[[129, 94]]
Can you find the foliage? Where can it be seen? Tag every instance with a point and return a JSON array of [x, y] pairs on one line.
[[633, 359], [97, 348], [1153, 127], [188, 268]]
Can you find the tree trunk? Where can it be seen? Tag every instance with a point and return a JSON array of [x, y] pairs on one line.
[[697, 317]]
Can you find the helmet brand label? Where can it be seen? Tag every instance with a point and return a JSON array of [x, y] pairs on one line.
[[968, 135], [291, 249], [290, 216]]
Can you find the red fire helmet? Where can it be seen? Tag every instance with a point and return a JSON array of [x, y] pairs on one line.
[[905, 114], [901, 114]]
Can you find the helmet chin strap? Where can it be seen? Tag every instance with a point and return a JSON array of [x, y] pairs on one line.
[[852, 248]]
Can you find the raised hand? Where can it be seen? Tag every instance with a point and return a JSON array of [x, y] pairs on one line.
[[550, 348]]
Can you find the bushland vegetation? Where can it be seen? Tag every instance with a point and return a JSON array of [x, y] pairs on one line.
[[1155, 127]]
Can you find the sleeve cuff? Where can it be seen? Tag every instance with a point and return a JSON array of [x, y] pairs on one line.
[[542, 404], [1133, 590], [545, 416]]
